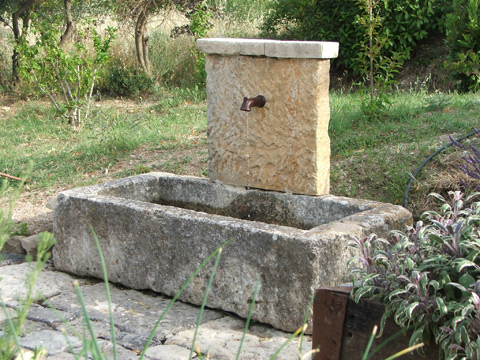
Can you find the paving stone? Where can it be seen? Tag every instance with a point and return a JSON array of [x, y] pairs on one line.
[[30, 244], [49, 282], [134, 312], [221, 340], [62, 356], [122, 353], [54, 342], [168, 352], [29, 327], [14, 245], [8, 258], [133, 341], [3, 316], [49, 316]]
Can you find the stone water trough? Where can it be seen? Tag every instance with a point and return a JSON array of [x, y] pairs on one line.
[[268, 114], [156, 229]]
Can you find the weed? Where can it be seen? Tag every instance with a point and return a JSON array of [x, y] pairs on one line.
[[428, 277], [9, 345]]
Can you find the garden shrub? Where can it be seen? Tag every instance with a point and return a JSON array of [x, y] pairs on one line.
[[124, 80], [429, 277], [65, 74], [463, 39], [404, 23]]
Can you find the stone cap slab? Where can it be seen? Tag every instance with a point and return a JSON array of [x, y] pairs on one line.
[[269, 48]]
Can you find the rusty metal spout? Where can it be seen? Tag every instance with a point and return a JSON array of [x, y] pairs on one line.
[[258, 101]]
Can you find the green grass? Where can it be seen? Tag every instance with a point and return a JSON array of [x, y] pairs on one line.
[[374, 160], [371, 160], [65, 157]]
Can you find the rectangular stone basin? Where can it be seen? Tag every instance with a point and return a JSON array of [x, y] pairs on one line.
[[155, 229]]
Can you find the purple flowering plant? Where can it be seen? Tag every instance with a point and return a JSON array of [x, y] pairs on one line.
[[428, 277]]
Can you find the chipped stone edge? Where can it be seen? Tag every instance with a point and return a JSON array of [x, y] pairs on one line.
[[269, 48]]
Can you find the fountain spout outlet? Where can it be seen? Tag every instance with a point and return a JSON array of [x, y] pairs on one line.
[[258, 101]]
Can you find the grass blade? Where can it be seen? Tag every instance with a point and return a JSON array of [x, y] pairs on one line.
[[96, 348], [305, 320], [184, 286], [250, 311], [299, 330], [383, 343], [204, 300], [107, 289], [405, 351], [370, 341], [10, 332]]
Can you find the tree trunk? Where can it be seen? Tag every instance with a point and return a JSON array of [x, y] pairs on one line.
[[23, 13], [141, 41], [67, 35]]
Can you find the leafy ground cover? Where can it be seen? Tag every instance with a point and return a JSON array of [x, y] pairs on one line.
[[167, 132]]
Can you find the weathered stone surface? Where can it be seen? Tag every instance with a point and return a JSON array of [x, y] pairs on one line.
[[14, 245], [62, 356], [221, 339], [269, 48], [135, 314], [4, 315], [122, 353], [53, 342], [49, 283], [168, 352], [30, 244], [8, 258], [282, 146], [48, 316], [147, 245], [302, 49]]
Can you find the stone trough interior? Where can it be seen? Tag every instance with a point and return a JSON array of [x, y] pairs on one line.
[[297, 211]]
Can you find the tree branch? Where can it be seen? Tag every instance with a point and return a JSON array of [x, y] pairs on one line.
[[10, 176], [48, 94]]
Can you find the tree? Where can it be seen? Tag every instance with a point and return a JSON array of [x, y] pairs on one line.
[[66, 75], [138, 12], [19, 11], [17, 14]]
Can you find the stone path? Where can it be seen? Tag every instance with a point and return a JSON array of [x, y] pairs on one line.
[[135, 314]]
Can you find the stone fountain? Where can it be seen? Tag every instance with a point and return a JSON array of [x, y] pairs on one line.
[[268, 113]]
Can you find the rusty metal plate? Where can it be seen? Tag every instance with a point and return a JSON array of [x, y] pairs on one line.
[[329, 309]]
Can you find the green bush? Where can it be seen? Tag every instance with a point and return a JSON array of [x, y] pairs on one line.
[[404, 23], [463, 39], [172, 59], [429, 277], [5, 58], [124, 80]]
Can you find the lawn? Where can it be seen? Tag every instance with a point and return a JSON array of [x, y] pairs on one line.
[[167, 132]]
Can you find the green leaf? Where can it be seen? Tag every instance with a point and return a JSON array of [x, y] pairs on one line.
[[464, 334], [435, 238], [458, 286], [466, 280], [416, 337], [410, 308], [363, 291], [441, 306], [396, 293]]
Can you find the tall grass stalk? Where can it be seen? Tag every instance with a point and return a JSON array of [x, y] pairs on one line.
[[184, 286], [204, 300], [250, 312], [107, 290], [305, 320], [293, 336], [93, 343], [9, 342]]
